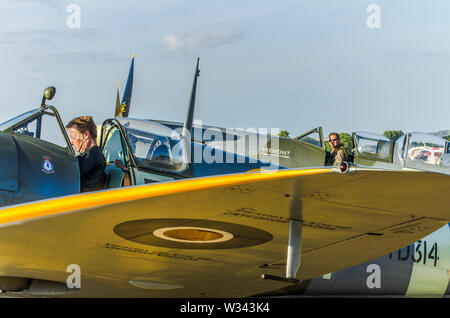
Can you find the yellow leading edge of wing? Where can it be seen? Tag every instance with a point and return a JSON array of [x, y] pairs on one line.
[[96, 199]]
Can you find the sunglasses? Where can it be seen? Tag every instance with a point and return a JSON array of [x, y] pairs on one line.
[[331, 140]]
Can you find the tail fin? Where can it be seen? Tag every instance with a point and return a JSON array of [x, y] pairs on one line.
[[126, 98], [118, 112]]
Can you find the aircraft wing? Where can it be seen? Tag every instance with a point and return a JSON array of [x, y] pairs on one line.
[[215, 236]]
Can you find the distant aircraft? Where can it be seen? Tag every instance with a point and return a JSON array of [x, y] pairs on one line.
[[199, 221]]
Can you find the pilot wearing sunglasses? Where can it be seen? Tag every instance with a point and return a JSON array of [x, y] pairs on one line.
[[338, 153]]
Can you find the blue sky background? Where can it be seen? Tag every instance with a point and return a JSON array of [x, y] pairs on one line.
[[291, 65]]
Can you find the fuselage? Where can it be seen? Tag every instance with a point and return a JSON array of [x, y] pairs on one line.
[[421, 269]]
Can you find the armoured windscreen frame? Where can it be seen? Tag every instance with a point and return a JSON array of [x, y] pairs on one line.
[[315, 130], [54, 113]]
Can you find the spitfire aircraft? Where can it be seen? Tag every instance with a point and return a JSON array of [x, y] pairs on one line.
[[219, 224], [419, 269]]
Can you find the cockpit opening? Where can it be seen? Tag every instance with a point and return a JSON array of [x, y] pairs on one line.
[[154, 145]]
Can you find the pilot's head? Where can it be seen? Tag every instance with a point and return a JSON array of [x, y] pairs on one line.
[[83, 133], [334, 140]]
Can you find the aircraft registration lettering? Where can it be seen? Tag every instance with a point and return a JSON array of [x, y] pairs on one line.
[[252, 213], [155, 253], [421, 253]]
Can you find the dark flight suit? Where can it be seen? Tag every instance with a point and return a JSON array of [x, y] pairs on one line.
[[337, 156], [92, 165]]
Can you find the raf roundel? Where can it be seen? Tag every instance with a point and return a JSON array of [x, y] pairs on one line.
[[191, 234]]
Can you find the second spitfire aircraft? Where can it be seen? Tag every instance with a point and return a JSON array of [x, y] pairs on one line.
[[419, 269], [191, 227]]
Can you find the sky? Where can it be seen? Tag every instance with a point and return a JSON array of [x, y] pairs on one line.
[[295, 65]]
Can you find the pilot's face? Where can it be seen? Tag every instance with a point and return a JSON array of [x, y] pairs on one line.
[[334, 141], [77, 139]]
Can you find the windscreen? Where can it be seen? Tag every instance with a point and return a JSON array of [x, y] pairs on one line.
[[10, 123], [313, 138], [39, 124], [373, 146], [427, 152], [154, 145]]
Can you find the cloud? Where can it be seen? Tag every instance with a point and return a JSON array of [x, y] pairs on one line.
[[82, 33], [7, 42], [32, 38], [52, 3], [76, 57], [417, 55], [190, 42]]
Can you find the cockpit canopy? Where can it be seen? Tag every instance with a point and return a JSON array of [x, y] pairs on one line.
[[425, 152], [151, 144], [416, 150], [373, 146], [43, 124]]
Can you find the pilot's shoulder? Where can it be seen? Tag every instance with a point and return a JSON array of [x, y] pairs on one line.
[[341, 151]]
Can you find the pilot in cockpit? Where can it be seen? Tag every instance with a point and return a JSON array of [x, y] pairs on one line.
[[338, 153], [92, 163]]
